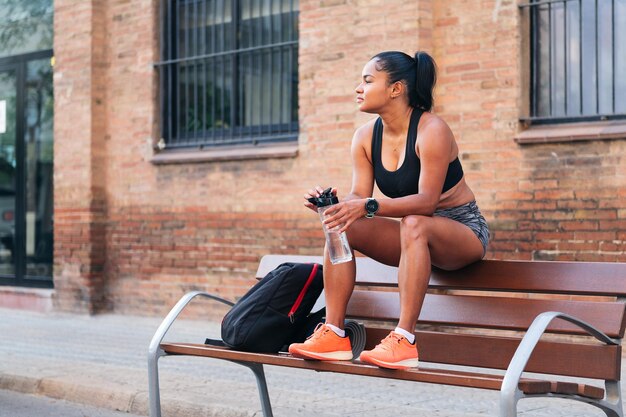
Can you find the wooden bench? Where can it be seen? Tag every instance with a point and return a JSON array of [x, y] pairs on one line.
[[532, 319]]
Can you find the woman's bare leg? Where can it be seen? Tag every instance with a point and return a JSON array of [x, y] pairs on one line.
[[412, 244], [427, 240], [378, 238], [413, 271], [338, 285]]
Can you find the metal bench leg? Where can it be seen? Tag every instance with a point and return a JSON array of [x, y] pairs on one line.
[[508, 402], [612, 403], [154, 395], [257, 369], [155, 351], [510, 393]]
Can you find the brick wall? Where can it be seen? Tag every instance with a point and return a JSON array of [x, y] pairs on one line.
[[133, 236], [79, 176]]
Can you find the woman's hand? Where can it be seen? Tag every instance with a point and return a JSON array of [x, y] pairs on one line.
[[314, 193], [343, 214]]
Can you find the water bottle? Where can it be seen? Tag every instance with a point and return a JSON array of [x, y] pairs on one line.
[[337, 243]]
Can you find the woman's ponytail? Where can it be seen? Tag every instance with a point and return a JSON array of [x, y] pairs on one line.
[[418, 74], [425, 77]]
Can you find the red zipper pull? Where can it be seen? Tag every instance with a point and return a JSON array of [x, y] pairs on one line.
[[308, 282]]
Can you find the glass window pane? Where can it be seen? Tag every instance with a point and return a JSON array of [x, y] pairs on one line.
[[294, 84], [605, 57], [8, 88], [266, 84], [294, 6], [225, 88], [543, 61], [573, 59], [277, 87], [25, 26], [558, 59], [590, 96], [38, 168], [620, 56]]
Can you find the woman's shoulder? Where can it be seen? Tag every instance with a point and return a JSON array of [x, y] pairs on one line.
[[365, 131], [432, 122], [431, 125]]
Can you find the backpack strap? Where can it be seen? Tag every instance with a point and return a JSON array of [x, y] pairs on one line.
[[214, 342]]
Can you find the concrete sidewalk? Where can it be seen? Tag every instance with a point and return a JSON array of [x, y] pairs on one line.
[[101, 361]]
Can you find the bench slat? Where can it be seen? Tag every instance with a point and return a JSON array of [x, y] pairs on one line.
[[561, 358], [580, 278], [422, 374], [368, 270], [568, 388], [572, 388], [490, 312]]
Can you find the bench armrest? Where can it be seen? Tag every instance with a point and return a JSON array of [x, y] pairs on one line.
[[173, 314], [526, 347]]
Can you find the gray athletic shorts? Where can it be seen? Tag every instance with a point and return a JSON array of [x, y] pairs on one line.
[[469, 215]]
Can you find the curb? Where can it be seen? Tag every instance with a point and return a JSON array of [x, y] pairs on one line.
[[112, 398], [60, 389]]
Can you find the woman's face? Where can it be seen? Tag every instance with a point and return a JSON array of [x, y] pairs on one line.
[[373, 93]]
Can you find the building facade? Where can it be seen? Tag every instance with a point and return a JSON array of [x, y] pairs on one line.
[[187, 131]]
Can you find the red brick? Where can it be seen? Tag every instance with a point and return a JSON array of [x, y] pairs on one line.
[[463, 67], [578, 246], [450, 21], [579, 225], [612, 247], [595, 236], [554, 194], [596, 214]]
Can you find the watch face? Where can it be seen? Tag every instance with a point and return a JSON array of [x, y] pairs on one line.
[[371, 206]]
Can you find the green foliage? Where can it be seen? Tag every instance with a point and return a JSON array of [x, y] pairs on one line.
[[25, 25]]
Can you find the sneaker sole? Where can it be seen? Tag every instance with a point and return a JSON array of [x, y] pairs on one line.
[[401, 365], [326, 356]]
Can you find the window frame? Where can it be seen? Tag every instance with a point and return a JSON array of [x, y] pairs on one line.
[[239, 136], [533, 118]]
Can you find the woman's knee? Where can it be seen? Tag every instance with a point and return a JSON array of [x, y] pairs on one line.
[[414, 227]]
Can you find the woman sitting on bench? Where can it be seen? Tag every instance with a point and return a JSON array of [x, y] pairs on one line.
[[429, 217]]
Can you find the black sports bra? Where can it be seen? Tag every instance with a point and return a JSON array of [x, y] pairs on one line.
[[404, 181]]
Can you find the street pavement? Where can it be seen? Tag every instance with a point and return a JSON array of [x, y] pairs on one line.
[[101, 361], [16, 404]]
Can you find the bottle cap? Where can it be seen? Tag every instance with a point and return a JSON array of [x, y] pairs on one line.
[[326, 198]]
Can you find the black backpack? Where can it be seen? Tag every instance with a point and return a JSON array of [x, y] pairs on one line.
[[275, 312]]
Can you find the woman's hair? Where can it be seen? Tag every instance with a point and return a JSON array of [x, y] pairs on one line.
[[419, 74]]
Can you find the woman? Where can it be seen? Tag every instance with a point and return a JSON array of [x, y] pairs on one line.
[[429, 217]]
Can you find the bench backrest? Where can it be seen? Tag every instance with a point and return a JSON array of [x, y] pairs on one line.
[[498, 296]]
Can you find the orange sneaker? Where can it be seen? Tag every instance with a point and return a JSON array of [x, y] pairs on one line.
[[323, 345], [393, 352]]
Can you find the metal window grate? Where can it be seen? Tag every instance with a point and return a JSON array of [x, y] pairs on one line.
[[229, 72], [578, 58]]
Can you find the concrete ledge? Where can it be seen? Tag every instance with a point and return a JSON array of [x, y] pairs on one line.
[[571, 132], [231, 153], [32, 299]]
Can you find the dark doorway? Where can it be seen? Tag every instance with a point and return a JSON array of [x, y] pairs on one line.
[[26, 167]]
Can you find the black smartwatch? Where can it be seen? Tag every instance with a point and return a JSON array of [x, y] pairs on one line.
[[371, 207]]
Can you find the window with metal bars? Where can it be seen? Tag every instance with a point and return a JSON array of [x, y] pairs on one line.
[[577, 60], [229, 72]]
